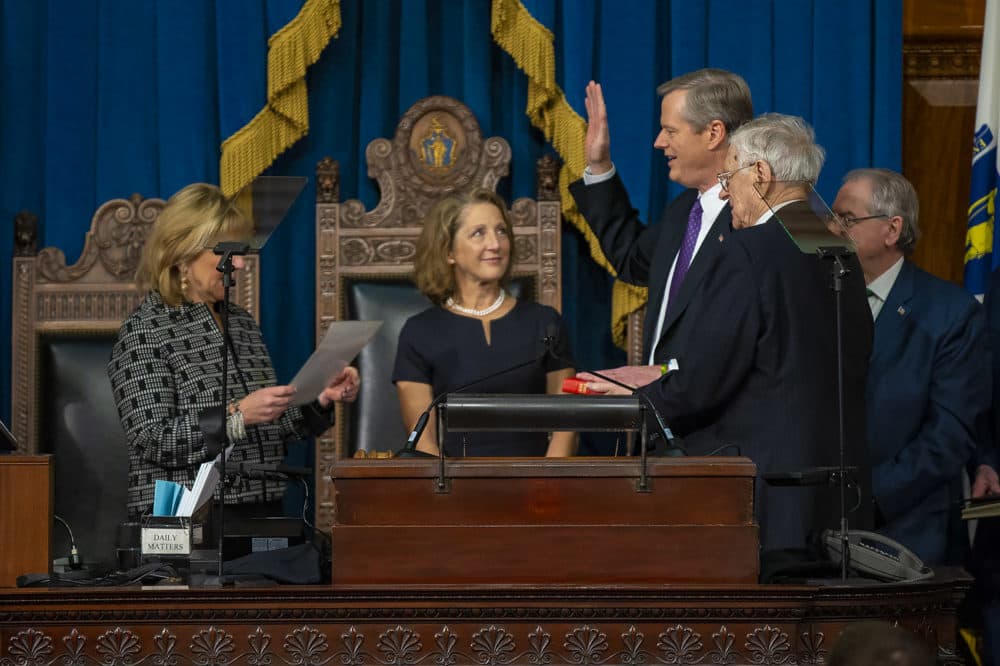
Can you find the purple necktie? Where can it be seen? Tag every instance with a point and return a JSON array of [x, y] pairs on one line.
[[687, 250]]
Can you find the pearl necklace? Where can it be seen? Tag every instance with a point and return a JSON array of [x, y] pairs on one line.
[[477, 313]]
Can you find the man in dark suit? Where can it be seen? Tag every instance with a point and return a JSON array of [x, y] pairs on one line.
[[698, 113], [760, 375], [928, 387]]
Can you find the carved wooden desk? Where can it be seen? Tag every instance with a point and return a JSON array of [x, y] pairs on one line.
[[749, 624]]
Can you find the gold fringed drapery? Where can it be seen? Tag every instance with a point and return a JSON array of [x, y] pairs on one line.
[[529, 43], [285, 117]]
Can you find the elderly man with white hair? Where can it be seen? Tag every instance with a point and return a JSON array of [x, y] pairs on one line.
[[760, 375]]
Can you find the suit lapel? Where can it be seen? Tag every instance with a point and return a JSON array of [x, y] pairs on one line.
[[702, 262], [700, 265], [893, 316], [673, 223]]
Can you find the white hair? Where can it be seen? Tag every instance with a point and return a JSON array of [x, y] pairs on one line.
[[786, 143]]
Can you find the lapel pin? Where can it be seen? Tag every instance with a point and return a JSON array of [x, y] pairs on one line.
[[901, 310], [721, 238]]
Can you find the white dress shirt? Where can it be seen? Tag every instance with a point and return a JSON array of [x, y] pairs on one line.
[[879, 288]]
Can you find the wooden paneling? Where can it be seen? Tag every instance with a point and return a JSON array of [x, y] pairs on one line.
[[540, 521], [25, 516], [937, 152], [941, 52], [961, 19]]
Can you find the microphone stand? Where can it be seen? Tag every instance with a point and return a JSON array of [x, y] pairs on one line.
[[226, 250], [838, 272]]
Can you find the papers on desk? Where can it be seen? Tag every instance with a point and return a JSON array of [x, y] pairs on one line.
[[342, 342], [174, 499], [981, 507]]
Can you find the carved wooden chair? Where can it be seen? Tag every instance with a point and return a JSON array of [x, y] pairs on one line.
[[65, 321], [633, 337], [364, 259]]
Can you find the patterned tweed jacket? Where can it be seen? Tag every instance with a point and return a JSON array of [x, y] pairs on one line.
[[166, 376]]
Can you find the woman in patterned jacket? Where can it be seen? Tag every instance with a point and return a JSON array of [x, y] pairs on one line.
[[166, 366]]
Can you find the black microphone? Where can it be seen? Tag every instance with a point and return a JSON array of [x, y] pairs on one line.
[[410, 450], [674, 448]]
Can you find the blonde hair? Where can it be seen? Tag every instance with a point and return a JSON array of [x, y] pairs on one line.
[[433, 275], [192, 221]]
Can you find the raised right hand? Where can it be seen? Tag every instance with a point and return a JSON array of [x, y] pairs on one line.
[[266, 404], [597, 146]]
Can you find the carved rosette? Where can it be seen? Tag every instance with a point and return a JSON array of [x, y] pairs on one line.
[[769, 645]]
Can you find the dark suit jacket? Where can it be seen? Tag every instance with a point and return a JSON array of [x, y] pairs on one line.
[[928, 388], [760, 373], [643, 254], [988, 444]]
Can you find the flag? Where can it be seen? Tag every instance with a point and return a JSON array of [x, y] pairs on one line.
[[979, 255]]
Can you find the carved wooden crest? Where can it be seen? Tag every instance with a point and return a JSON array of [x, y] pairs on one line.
[[438, 148]]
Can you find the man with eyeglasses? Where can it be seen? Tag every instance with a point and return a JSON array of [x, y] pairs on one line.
[[929, 382], [698, 112], [760, 378]]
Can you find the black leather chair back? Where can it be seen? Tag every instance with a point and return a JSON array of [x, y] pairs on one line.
[[79, 425], [375, 423]]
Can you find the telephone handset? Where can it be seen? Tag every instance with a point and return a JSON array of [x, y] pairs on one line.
[[876, 555]]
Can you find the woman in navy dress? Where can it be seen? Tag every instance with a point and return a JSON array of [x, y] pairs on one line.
[[476, 328]]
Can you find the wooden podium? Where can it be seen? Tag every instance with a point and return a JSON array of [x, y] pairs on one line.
[[537, 521], [25, 516]]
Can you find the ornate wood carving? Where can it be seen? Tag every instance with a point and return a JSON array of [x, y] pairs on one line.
[[327, 181], [25, 234], [117, 234], [752, 625], [636, 322], [944, 59], [548, 178]]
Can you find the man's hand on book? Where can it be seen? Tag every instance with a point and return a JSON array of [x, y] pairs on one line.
[[986, 483]]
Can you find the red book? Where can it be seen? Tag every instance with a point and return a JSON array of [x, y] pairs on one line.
[[574, 385]]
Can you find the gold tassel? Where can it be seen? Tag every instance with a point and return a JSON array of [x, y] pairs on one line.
[[285, 117], [529, 43]]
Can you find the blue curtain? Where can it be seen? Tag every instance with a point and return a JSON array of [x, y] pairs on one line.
[[99, 100]]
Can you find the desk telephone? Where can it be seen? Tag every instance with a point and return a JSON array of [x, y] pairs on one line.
[[876, 555]]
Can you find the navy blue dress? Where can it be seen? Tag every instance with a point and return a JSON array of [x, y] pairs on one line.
[[448, 351]]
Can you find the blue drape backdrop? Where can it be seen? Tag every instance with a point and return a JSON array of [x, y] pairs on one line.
[[102, 99]]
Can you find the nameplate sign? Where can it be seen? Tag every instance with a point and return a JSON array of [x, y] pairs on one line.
[[164, 540]]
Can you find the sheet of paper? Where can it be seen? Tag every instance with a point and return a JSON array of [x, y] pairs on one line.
[[342, 342], [204, 486]]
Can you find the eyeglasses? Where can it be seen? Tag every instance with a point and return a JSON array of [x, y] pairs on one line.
[[725, 176], [849, 222]]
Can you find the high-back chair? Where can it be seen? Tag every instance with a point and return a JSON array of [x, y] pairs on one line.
[[65, 322], [365, 259]]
